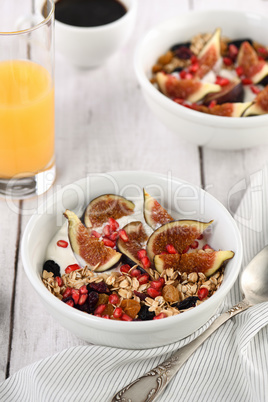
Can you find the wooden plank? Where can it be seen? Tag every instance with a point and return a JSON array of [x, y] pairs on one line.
[[102, 124]]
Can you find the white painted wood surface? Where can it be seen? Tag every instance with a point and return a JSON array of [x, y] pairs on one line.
[[103, 124]]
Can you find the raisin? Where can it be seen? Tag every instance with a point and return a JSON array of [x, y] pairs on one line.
[[90, 303], [100, 287], [144, 313], [183, 53], [170, 293], [178, 45], [131, 307], [187, 303], [52, 266]]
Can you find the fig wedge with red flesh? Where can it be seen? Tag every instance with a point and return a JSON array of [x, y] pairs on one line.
[[226, 109], [92, 250], [207, 262], [210, 54], [260, 106], [107, 206], [137, 238], [230, 93], [253, 68], [180, 234], [191, 90], [154, 214]]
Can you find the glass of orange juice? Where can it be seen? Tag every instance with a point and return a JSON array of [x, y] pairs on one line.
[[27, 161]]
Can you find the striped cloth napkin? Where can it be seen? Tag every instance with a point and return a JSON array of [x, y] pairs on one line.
[[231, 366]]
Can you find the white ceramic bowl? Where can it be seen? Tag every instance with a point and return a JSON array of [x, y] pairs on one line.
[[183, 198], [199, 128], [91, 47]]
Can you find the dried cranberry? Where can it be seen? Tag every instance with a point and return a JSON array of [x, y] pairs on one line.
[[183, 53], [144, 313], [100, 287], [142, 296], [52, 266], [187, 303]]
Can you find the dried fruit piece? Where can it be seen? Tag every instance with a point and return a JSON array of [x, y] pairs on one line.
[[260, 106], [180, 234], [52, 266], [170, 294], [107, 206], [131, 307], [207, 262], [136, 239], [154, 214], [252, 66], [191, 90], [145, 314], [210, 54], [92, 250]]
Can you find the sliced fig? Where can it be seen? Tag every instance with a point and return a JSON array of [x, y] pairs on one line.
[[89, 248], [179, 234], [253, 68], [210, 54], [260, 106], [137, 238], [226, 109], [154, 214], [107, 206], [207, 262], [230, 93], [191, 90]]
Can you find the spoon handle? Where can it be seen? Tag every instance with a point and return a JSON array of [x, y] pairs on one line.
[[148, 387]]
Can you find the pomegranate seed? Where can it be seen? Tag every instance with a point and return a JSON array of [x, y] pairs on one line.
[[113, 224], [202, 293], [185, 250], [239, 71], [125, 317], [71, 268], [113, 236], [200, 237], [193, 68], [118, 312], [75, 295], [106, 316], [171, 249], [143, 279], [153, 293], [59, 280], [212, 104], [206, 247], [67, 293], [159, 316], [162, 280], [262, 50], [95, 234], [100, 309], [185, 75], [227, 61], [246, 81], [164, 252], [70, 303], [62, 243], [97, 315], [179, 101], [83, 290], [233, 51], [221, 81], [146, 262], [157, 284], [82, 299], [123, 235], [142, 253], [114, 298], [194, 59], [125, 268], [182, 74], [255, 89], [135, 272], [107, 230], [194, 244], [108, 242], [188, 76]]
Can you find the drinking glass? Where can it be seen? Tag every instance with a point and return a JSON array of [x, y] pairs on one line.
[[27, 161]]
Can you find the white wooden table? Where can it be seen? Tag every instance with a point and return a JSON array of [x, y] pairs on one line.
[[103, 124]]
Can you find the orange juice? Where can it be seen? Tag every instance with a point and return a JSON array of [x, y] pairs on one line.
[[26, 118]]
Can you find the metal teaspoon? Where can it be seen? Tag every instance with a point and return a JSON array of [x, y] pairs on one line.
[[254, 284]]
